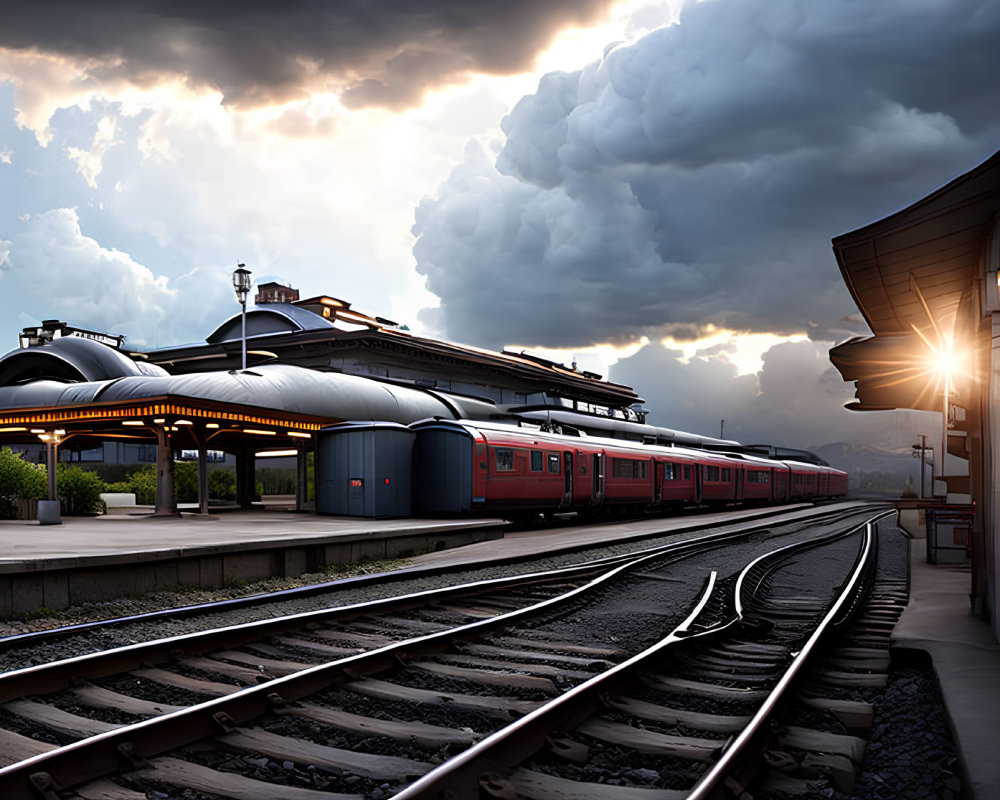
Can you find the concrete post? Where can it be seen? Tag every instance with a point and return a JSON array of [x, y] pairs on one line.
[[50, 466], [198, 435], [166, 502], [302, 478]]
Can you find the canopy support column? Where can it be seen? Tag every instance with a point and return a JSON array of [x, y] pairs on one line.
[[200, 440], [245, 477], [166, 502], [302, 478]]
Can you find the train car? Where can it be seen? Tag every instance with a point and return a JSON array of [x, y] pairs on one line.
[[803, 480], [759, 480], [718, 479], [677, 482], [479, 467], [837, 483], [461, 467]]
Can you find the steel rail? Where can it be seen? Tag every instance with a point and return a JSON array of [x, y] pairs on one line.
[[57, 675], [710, 784], [509, 746], [361, 581], [103, 754], [520, 739], [742, 582]]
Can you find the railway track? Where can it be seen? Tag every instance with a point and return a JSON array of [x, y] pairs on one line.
[[404, 685], [689, 715], [100, 634]]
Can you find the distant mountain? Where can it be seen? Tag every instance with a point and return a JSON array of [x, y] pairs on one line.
[[870, 467]]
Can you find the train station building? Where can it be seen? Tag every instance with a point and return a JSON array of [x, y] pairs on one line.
[[311, 365], [927, 281]]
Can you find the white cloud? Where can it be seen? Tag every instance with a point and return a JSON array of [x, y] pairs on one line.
[[89, 162], [51, 269]]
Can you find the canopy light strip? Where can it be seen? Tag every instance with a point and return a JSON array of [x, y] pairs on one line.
[[158, 410]]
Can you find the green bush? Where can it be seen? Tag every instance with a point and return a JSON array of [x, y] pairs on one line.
[[272, 480], [222, 484], [186, 481], [80, 489], [143, 483], [19, 479], [109, 473]]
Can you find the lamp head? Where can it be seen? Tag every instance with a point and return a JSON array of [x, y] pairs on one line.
[[241, 282]]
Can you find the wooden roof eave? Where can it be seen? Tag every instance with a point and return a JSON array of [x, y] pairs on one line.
[[969, 203]]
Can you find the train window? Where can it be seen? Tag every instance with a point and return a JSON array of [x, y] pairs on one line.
[[687, 472], [725, 473], [505, 459], [536, 460], [627, 468], [554, 462], [711, 473], [668, 472], [757, 476]]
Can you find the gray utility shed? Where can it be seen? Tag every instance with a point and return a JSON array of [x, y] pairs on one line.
[[365, 470]]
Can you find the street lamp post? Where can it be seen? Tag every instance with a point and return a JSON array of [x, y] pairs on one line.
[[48, 510], [241, 283]]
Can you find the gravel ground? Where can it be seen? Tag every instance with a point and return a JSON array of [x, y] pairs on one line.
[[910, 754]]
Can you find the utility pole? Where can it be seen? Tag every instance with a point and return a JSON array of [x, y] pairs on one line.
[[722, 429], [922, 447]]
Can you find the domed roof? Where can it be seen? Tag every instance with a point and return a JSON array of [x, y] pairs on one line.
[[269, 319], [70, 359]]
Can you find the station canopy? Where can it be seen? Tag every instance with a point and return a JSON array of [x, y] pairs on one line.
[[916, 278], [86, 387]]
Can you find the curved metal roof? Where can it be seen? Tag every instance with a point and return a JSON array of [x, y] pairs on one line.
[[268, 320], [67, 372], [70, 359]]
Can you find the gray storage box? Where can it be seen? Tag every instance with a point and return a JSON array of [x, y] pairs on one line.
[[365, 470]]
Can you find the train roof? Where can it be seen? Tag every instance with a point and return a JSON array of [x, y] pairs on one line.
[[620, 444], [611, 425]]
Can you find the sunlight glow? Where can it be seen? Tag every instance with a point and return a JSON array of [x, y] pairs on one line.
[[943, 361], [744, 350], [596, 358]]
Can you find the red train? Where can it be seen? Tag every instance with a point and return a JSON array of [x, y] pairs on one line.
[[469, 467]]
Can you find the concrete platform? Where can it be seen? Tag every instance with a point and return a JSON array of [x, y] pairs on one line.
[[89, 559], [966, 658], [516, 544]]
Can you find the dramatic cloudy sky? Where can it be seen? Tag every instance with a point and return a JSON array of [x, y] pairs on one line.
[[648, 188]]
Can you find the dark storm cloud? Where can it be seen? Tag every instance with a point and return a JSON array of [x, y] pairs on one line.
[[386, 53], [697, 176], [796, 400]]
